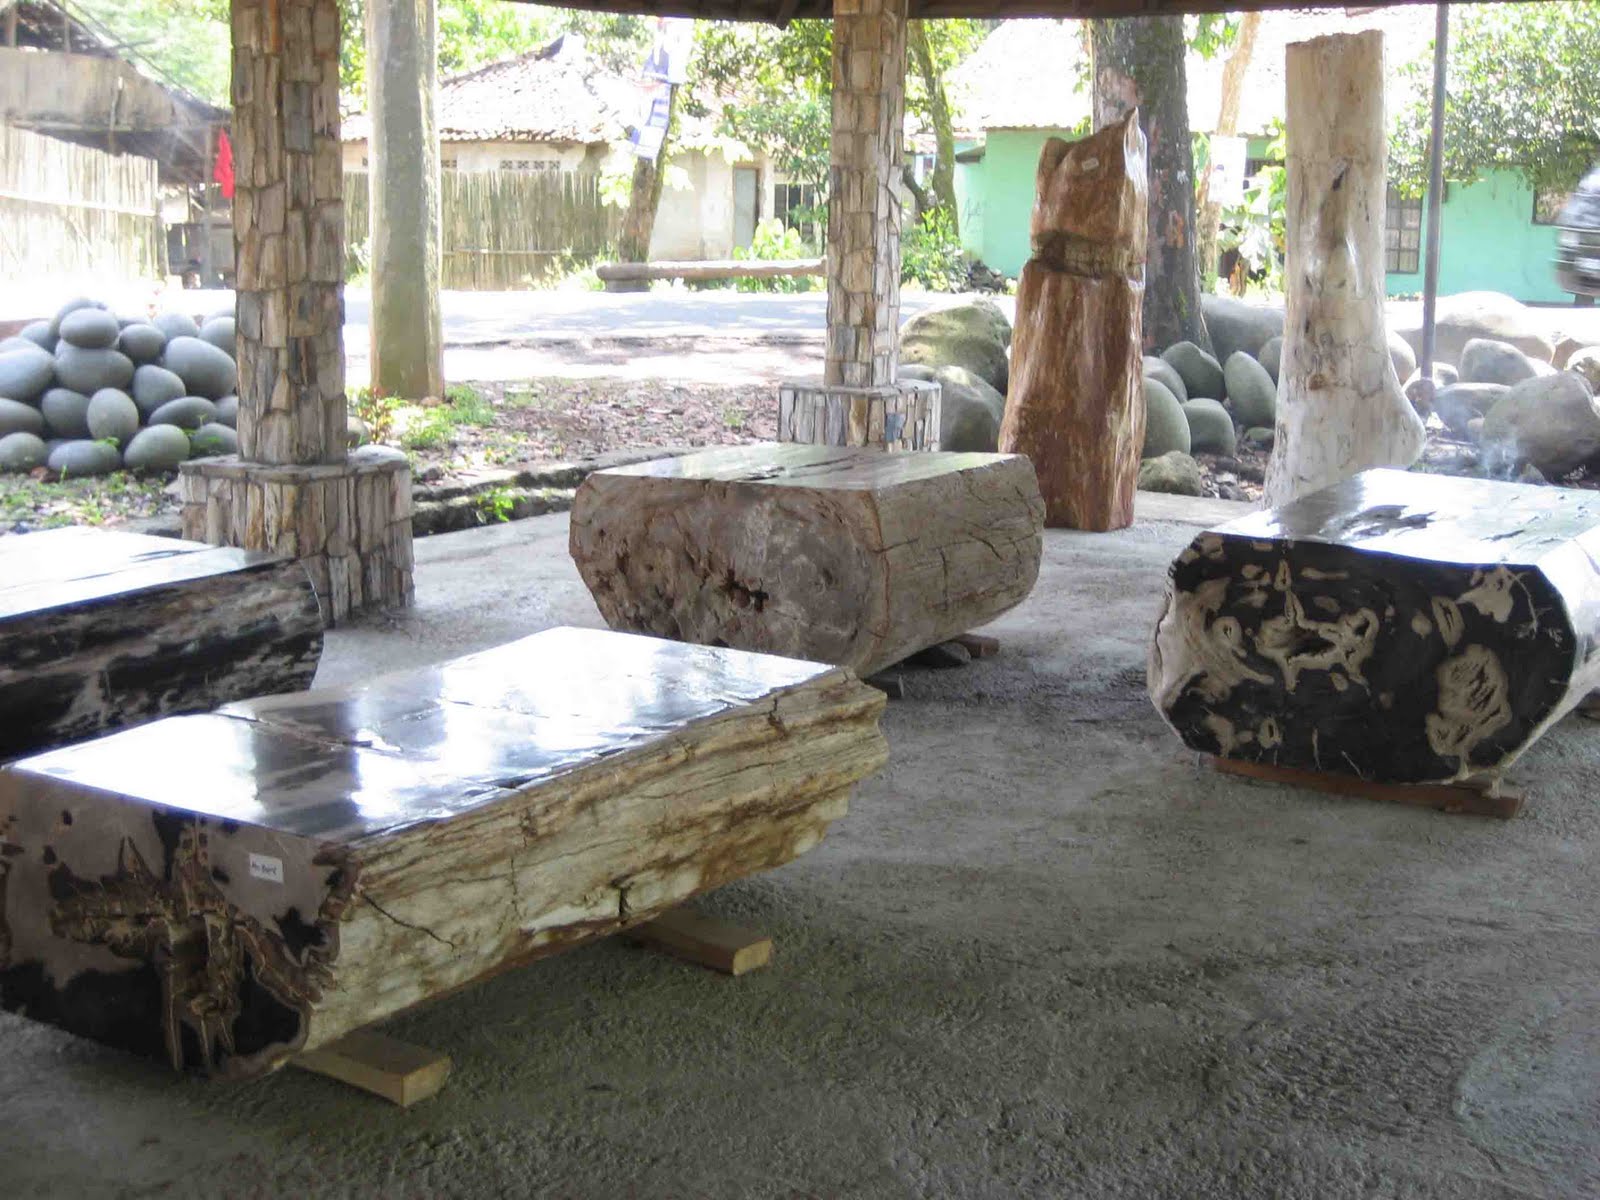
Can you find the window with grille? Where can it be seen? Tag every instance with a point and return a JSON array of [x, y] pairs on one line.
[[1402, 233], [795, 204], [527, 164]]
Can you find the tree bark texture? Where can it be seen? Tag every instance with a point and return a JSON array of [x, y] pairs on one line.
[[942, 183], [1340, 407], [852, 557], [1401, 628], [1233, 73], [407, 333], [100, 630], [328, 859], [1138, 64], [1076, 405], [644, 199]]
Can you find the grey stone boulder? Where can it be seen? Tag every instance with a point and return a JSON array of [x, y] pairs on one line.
[[1174, 472], [1468, 315], [38, 332], [75, 459], [176, 325], [153, 386], [219, 331], [22, 451], [158, 448], [356, 432], [11, 345], [1210, 428], [189, 412], [1586, 363], [67, 309], [1270, 356], [1443, 376], [90, 329], [1552, 422], [17, 417], [971, 333], [213, 439], [1161, 371], [1401, 355], [112, 416], [142, 342], [205, 370], [1165, 427], [66, 413], [1201, 374], [88, 371], [1251, 393], [228, 412], [970, 411], [1235, 325], [25, 374], [1459, 403], [1484, 360], [1259, 437]]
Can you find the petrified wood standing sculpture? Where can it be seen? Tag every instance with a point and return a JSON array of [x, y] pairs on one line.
[[1076, 407], [854, 557], [323, 860], [1340, 407], [1403, 628]]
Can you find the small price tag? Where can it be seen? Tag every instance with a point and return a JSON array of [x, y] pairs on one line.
[[267, 868]]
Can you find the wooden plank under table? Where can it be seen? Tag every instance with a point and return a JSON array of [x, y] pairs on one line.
[[101, 629], [848, 556], [324, 860]]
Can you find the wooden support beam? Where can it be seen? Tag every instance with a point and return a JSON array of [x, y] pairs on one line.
[[397, 1071], [705, 941], [1478, 800]]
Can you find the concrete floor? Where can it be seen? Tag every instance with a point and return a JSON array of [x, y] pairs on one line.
[[1047, 955]]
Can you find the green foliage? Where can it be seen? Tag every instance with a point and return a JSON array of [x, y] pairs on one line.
[[1524, 93], [1209, 34], [496, 504], [930, 253], [184, 41], [376, 411], [774, 242], [1257, 227], [27, 503]]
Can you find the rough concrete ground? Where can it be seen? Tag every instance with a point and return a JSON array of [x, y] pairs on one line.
[[1047, 954]]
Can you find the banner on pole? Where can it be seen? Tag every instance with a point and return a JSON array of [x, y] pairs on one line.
[[665, 68]]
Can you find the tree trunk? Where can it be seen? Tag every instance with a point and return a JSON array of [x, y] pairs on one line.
[[1340, 407], [1233, 73], [1076, 399], [645, 198], [1138, 63], [942, 183]]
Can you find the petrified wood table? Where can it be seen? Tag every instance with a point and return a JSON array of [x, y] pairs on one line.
[[323, 860], [853, 557], [100, 629], [1398, 627]]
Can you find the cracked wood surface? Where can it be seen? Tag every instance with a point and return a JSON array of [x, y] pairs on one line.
[[853, 557], [99, 630], [1402, 628], [325, 860]]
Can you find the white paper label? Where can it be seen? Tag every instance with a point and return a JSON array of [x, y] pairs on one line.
[[264, 866]]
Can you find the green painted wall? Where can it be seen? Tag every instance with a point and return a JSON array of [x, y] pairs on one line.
[[1487, 236]]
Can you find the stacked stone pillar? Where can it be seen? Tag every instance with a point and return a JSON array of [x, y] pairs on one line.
[[293, 488], [860, 400]]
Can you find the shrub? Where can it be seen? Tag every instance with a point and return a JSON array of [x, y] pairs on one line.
[[774, 241], [930, 253]]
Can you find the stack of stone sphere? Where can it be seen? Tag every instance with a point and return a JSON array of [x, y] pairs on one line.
[[86, 392]]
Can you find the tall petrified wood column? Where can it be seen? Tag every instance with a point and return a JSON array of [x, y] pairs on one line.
[[1399, 627], [1340, 407], [293, 489], [1076, 407]]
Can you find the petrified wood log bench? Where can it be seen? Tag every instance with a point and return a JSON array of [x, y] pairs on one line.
[[853, 557], [228, 890], [100, 629], [1397, 627]]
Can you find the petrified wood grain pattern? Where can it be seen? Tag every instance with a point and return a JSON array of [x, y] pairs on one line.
[[327, 859], [99, 630], [1403, 628], [900, 416], [1076, 406], [853, 557]]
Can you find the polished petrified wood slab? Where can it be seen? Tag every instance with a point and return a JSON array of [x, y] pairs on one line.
[[1400, 627], [226, 890], [854, 557], [100, 629]]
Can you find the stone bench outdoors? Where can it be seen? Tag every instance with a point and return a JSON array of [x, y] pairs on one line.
[[100, 629], [229, 890], [637, 277], [854, 557]]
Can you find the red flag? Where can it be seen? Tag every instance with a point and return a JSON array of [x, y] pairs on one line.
[[223, 171]]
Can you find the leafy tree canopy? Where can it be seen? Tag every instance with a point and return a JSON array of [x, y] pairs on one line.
[[185, 42], [1523, 92]]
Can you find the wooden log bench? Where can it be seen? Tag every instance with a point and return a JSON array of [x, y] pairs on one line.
[[226, 891], [101, 629], [1398, 628], [853, 557], [637, 277]]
